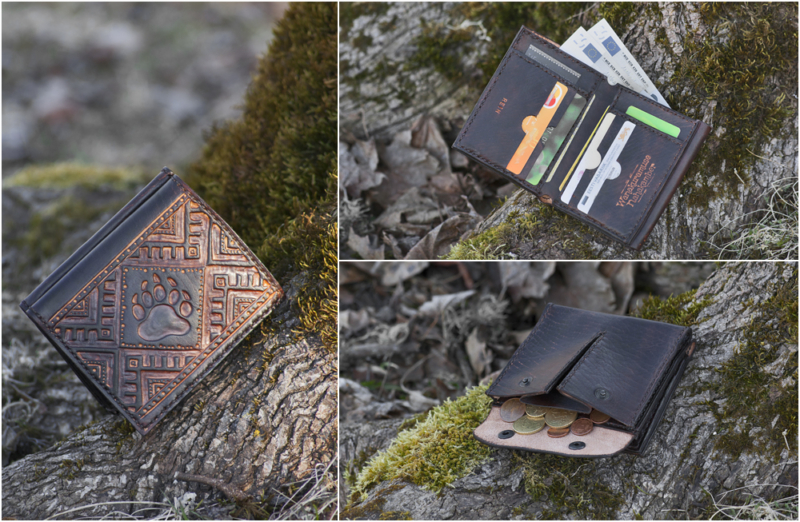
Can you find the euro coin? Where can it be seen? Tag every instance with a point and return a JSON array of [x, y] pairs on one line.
[[598, 417], [582, 427], [512, 410], [560, 418], [557, 433], [527, 426], [535, 412]]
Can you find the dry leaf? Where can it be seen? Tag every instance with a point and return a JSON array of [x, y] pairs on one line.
[[362, 246], [440, 302], [523, 279], [351, 321], [441, 239], [479, 357], [357, 166]]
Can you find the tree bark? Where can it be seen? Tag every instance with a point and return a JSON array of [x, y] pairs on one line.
[[680, 471], [263, 419], [377, 104]]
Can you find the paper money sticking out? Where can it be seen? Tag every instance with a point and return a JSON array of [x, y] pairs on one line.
[[624, 62], [601, 49]]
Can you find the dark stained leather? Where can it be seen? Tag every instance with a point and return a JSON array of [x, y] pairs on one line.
[[623, 366], [153, 301], [519, 87]]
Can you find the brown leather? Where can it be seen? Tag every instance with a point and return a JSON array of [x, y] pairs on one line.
[[625, 367], [652, 163], [153, 301]]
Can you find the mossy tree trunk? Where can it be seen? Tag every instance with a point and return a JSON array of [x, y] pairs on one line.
[[724, 429], [265, 418], [732, 66]]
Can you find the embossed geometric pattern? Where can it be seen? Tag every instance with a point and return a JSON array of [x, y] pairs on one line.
[[171, 303]]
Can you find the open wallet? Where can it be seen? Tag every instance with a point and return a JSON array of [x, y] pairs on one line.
[[599, 152], [148, 306], [586, 384]]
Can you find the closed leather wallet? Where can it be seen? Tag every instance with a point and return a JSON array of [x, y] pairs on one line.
[[624, 367], [599, 152], [153, 301]]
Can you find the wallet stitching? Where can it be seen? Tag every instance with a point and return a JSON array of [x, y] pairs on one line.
[[657, 191], [488, 89], [517, 354], [231, 342]]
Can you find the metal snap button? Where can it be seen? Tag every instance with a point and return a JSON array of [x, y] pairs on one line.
[[505, 434], [577, 445], [602, 394], [524, 382]]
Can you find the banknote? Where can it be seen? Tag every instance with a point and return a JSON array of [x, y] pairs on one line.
[[584, 47], [623, 60]]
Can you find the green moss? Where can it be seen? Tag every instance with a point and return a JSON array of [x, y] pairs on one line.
[[754, 397], [681, 310], [436, 451], [524, 229], [349, 11], [395, 515], [569, 485], [746, 62], [272, 174], [70, 174]]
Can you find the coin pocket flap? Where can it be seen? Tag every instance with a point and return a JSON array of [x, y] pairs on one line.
[[601, 442], [544, 358]]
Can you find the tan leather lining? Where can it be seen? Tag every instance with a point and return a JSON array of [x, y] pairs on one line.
[[601, 442]]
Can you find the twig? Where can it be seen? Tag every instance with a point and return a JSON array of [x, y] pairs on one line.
[[232, 492]]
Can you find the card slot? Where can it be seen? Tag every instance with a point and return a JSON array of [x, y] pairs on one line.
[[559, 77], [588, 76], [622, 194], [513, 116], [579, 136], [657, 117]]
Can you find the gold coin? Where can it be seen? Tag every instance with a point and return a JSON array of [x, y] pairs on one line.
[[535, 412], [527, 426], [512, 410], [598, 417], [560, 418]]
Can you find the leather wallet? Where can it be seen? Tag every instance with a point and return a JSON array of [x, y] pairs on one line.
[[153, 301], [575, 360], [599, 152]]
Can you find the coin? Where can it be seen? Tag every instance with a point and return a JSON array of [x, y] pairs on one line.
[[582, 427], [557, 433], [560, 418], [512, 410], [598, 417], [527, 426], [535, 412]]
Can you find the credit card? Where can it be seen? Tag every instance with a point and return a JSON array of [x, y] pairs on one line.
[[653, 121], [624, 61], [584, 47], [590, 160], [566, 147], [548, 62], [609, 168], [534, 127], [555, 139]]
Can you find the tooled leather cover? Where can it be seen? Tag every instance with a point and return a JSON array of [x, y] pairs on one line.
[[153, 301], [623, 366], [652, 163]]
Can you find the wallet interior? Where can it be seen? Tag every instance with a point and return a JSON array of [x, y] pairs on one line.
[[601, 442]]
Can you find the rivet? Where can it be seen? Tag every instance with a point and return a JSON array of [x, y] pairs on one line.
[[505, 434], [602, 394], [525, 382], [578, 445]]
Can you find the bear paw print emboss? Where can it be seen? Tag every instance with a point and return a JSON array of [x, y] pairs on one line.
[[159, 319]]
